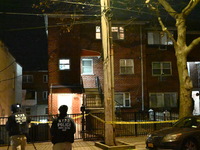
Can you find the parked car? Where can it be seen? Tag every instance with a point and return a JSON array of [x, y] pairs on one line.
[[183, 135]]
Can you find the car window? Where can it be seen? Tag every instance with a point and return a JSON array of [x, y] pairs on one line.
[[187, 123]]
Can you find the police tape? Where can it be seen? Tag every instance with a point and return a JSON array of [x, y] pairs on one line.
[[110, 122], [132, 122], [45, 122]]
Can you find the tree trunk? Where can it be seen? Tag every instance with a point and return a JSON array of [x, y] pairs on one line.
[[186, 102]]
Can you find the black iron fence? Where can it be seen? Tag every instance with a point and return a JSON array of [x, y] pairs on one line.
[[91, 126]]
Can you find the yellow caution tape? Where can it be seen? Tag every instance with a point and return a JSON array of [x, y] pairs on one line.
[[43, 122], [124, 122], [111, 122]]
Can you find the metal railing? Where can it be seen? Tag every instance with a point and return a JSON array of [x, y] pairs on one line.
[[98, 85], [91, 126]]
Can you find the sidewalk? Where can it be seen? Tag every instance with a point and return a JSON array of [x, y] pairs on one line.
[[139, 142]]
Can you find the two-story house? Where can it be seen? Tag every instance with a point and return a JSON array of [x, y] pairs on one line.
[[145, 70]]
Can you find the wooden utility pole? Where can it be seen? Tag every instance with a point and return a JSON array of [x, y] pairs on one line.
[[108, 71]]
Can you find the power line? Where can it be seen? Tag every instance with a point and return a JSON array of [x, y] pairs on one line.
[[48, 14], [10, 78], [7, 66]]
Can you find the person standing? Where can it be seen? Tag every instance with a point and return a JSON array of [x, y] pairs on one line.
[[62, 130], [17, 126]]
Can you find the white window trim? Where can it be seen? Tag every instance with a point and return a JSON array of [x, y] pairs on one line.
[[64, 64], [99, 37], [121, 73], [27, 80], [124, 99], [162, 73], [159, 35], [92, 72]]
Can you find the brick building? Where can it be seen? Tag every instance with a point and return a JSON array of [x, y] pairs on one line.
[[35, 92], [145, 71]]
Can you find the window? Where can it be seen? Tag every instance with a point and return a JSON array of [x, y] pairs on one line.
[[46, 111], [161, 69], [117, 33], [87, 66], [64, 64], [30, 95], [27, 78], [98, 32], [45, 95], [158, 38], [122, 99], [166, 100], [45, 78], [126, 66]]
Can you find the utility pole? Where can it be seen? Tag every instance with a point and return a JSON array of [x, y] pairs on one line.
[[108, 71]]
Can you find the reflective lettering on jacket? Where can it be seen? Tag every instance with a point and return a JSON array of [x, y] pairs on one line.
[[20, 118], [64, 124]]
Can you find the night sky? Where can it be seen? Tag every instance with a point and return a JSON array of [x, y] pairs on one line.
[[24, 35]]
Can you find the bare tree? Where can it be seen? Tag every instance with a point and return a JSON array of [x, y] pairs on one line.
[[181, 50]]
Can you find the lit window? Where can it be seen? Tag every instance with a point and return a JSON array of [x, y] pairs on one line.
[[117, 33], [122, 99], [158, 38], [45, 78], [126, 66], [163, 100], [27, 78], [161, 69], [87, 66], [64, 64], [98, 32]]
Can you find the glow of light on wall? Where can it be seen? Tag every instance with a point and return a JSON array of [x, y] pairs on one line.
[[65, 99]]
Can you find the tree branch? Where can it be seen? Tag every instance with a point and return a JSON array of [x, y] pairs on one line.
[[186, 11], [194, 43], [167, 31], [168, 8]]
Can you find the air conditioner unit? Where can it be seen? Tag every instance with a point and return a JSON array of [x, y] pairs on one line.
[[162, 47]]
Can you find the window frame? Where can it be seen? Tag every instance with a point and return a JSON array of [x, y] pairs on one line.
[[159, 38], [45, 95], [161, 68], [91, 67], [64, 65], [29, 97], [124, 99], [161, 98], [45, 78], [126, 67], [27, 78], [119, 36]]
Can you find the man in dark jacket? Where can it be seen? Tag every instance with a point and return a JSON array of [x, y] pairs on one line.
[[62, 130], [17, 126]]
